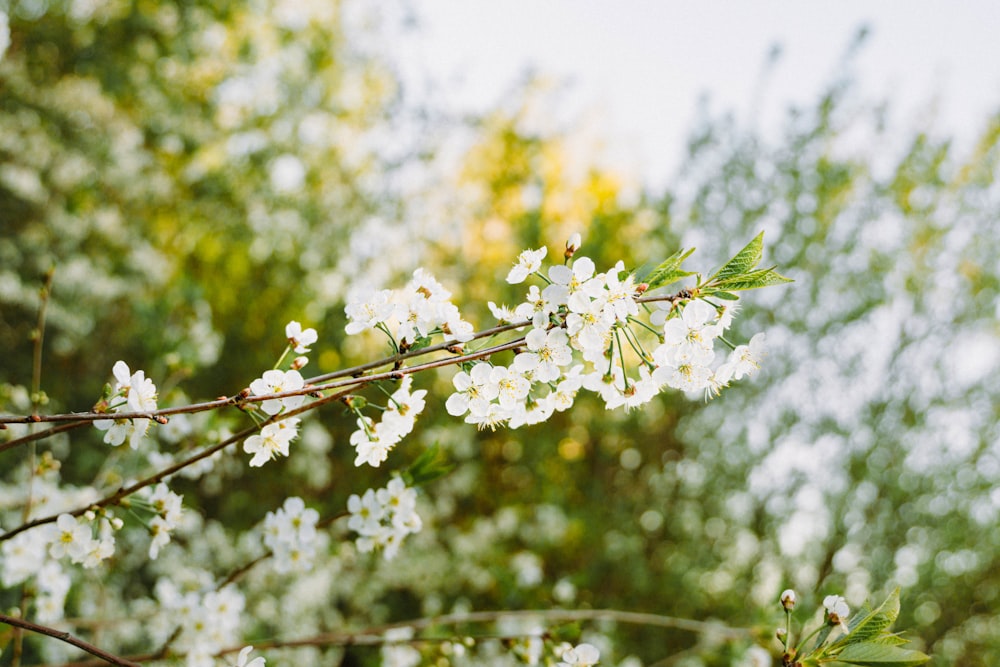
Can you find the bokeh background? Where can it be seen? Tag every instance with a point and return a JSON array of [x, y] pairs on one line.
[[199, 173]]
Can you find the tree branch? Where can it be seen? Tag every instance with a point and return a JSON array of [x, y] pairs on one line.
[[375, 635], [69, 639]]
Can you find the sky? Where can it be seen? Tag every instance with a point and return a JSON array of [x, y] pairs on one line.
[[635, 69]]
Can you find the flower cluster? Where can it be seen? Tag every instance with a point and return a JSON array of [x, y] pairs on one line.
[[74, 537], [208, 621], [36, 554], [136, 393], [585, 316], [275, 437], [419, 310], [290, 534], [685, 359], [166, 506], [374, 440], [383, 518]]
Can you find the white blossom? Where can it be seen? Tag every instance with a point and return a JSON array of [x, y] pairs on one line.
[[383, 518], [528, 262], [473, 390], [276, 382], [139, 393], [242, 660], [300, 338], [582, 655], [272, 441], [290, 533], [367, 309]]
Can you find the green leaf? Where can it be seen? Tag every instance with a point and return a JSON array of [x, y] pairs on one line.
[[430, 465], [890, 639], [668, 271], [753, 280], [725, 296], [880, 655], [567, 632], [419, 343], [869, 624], [822, 636], [743, 261]]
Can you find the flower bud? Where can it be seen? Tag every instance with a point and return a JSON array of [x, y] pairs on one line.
[[788, 599], [572, 245], [299, 362], [781, 634]]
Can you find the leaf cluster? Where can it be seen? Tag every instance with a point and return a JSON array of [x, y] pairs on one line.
[[868, 641], [738, 274]]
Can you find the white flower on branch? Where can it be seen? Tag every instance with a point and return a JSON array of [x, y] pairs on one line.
[[473, 390], [528, 262], [276, 382], [547, 351], [404, 408], [373, 441], [69, 537], [139, 393], [694, 331], [272, 441], [300, 338], [572, 284], [744, 360], [367, 309]]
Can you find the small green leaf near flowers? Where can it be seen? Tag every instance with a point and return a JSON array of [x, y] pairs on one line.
[[669, 270], [874, 654], [752, 280], [742, 262]]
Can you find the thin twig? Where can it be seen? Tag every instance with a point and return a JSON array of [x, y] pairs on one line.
[[376, 635], [69, 639]]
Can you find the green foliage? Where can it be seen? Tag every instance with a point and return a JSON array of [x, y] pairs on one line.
[[430, 465], [737, 274], [668, 271], [867, 640], [877, 654]]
